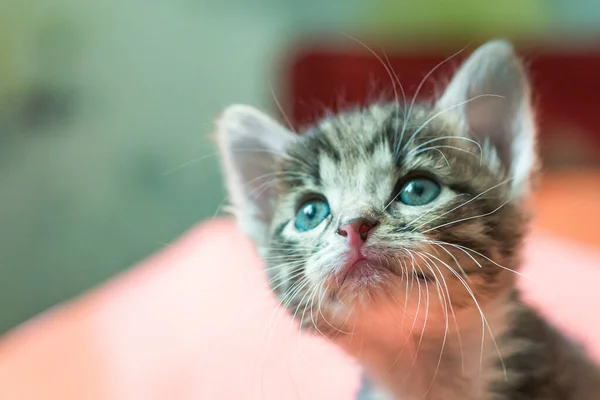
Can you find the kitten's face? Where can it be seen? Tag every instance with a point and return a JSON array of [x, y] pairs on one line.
[[373, 209], [416, 209]]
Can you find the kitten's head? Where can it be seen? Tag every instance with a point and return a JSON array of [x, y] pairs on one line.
[[391, 204]]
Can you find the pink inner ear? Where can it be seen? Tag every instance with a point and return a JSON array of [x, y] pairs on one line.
[[481, 115]]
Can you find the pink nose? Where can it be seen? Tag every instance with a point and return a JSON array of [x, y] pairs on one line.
[[356, 231]]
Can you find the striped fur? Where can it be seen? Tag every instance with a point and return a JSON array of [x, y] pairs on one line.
[[436, 314]]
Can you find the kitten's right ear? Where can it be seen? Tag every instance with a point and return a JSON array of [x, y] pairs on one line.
[[251, 144], [490, 97]]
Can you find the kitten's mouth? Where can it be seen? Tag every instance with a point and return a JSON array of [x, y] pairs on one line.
[[362, 271], [367, 272]]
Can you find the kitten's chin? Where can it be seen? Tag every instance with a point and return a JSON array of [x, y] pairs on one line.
[[361, 276]]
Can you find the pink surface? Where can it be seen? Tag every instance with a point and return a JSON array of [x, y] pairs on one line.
[[197, 322]]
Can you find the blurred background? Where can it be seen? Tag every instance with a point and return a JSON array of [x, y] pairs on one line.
[[107, 109]]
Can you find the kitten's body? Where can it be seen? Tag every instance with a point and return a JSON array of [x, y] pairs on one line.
[[412, 267]]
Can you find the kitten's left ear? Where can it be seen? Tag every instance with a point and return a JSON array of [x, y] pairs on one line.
[[490, 96]]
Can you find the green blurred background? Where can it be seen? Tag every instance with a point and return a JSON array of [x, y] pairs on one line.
[[106, 111]]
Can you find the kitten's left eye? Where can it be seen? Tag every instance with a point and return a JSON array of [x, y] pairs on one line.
[[311, 214], [419, 191]]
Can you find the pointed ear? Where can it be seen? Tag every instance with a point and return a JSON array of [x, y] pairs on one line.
[[251, 146], [490, 96]]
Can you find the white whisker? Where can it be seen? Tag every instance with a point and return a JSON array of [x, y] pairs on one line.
[[445, 110], [468, 218], [414, 99], [287, 120]]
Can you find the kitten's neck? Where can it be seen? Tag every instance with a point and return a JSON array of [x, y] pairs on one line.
[[440, 364]]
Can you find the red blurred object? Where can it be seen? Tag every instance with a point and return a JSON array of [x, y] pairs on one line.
[[566, 83]]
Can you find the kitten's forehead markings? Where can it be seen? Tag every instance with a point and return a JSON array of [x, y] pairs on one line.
[[384, 176], [361, 181]]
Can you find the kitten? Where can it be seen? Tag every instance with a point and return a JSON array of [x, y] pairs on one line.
[[396, 232]]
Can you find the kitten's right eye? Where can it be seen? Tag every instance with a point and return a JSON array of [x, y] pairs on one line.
[[311, 213], [419, 191]]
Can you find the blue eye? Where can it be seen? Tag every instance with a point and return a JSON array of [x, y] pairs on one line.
[[419, 191], [311, 214]]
